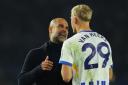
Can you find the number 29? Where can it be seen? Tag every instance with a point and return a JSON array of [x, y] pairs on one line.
[[93, 53]]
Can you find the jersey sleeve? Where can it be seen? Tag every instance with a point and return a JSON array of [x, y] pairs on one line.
[[110, 62], [66, 54]]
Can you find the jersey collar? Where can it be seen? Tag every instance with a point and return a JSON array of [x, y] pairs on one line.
[[86, 31]]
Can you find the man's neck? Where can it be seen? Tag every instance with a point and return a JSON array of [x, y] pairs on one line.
[[86, 29], [55, 41], [83, 26]]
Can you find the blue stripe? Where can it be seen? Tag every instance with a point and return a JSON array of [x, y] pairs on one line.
[[98, 83], [91, 83], [66, 63], [103, 83], [82, 83]]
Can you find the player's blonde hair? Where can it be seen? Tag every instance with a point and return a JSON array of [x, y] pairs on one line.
[[83, 12]]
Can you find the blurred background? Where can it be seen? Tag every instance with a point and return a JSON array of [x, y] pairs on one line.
[[24, 25]]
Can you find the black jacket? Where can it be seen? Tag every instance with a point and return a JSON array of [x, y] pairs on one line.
[[31, 71]]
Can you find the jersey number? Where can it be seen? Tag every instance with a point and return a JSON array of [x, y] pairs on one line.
[[94, 49]]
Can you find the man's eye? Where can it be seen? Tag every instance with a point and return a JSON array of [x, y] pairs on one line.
[[66, 27], [61, 26]]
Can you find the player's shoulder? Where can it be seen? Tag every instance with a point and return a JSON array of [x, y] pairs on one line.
[[104, 38], [75, 37], [71, 39]]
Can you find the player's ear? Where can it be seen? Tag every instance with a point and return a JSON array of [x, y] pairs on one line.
[[75, 20]]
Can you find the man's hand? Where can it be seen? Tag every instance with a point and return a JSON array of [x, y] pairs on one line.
[[47, 64]]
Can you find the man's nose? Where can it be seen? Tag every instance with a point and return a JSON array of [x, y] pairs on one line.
[[64, 30]]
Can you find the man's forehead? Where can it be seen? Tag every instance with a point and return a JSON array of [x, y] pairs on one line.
[[58, 21], [62, 22]]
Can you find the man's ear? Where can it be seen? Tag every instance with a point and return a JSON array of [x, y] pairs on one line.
[[75, 20], [50, 29]]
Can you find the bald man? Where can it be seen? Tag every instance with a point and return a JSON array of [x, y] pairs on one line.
[[41, 64]]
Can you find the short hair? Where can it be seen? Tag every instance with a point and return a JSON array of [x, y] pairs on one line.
[[83, 12], [55, 21]]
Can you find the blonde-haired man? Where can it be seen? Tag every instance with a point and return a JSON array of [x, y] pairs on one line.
[[86, 57]]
